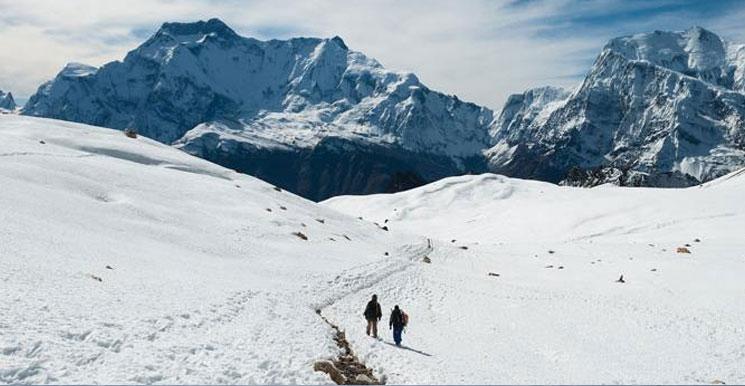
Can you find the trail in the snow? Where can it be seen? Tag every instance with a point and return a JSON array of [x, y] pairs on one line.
[[347, 368]]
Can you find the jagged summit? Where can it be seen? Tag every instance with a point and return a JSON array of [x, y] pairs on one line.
[[211, 26]]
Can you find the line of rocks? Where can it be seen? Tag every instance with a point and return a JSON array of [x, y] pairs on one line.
[[346, 369]]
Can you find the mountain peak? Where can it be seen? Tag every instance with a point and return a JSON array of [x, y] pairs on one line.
[[691, 51], [211, 26], [74, 70], [340, 42], [6, 101]]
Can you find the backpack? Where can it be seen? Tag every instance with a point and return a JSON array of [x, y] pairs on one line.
[[404, 318]]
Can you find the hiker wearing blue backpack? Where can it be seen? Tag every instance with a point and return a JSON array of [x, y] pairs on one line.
[[397, 322]]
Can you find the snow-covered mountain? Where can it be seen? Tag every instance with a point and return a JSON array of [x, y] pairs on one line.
[[7, 102], [660, 109], [308, 114], [312, 116]]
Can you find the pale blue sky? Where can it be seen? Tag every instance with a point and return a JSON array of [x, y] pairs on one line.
[[480, 50]]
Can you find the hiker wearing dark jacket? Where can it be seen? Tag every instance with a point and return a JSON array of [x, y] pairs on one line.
[[373, 314], [396, 322]]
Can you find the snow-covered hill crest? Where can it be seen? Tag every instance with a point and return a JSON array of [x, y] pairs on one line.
[[290, 93], [659, 109]]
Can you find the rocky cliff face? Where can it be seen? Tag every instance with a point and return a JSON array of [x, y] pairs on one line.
[[660, 109]]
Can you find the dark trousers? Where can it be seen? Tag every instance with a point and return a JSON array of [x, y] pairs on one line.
[[372, 327], [397, 335]]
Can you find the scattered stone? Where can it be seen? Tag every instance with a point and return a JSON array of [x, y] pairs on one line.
[[651, 245], [384, 227], [697, 240], [277, 188], [42, 142], [653, 269], [493, 274], [386, 254], [282, 207], [131, 133], [463, 247], [237, 186], [109, 267], [717, 382], [386, 221], [347, 237], [688, 245], [452, 241], [320, 220], [302, 224], [329, 368], [620, 280], [427, 260], [359, 218], [683, 250], [332, 239], [549, 266], [268, 209], [300, 235], [551, 252], [560, 267], [94, 277]]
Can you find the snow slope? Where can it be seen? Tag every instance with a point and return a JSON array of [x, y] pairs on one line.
[[555, 313], [124, 260]]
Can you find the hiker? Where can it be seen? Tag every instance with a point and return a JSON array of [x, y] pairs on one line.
[[397, 322], [373, 314]]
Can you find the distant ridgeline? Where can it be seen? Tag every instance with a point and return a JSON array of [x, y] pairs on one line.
[[318, 119]]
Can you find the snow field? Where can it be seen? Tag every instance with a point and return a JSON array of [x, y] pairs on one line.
[[127, 261], [555, 313]]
